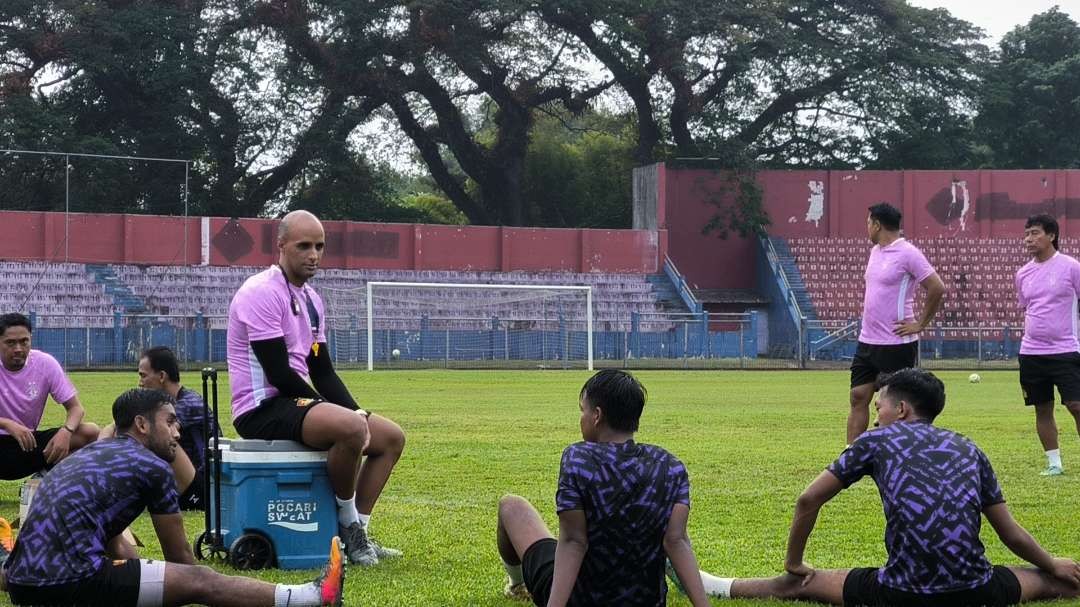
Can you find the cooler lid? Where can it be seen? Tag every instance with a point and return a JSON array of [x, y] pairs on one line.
[[275, 446]]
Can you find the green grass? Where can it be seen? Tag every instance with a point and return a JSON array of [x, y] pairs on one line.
[[751, 440]]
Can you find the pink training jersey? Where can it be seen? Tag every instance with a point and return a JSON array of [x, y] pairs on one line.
[[264, 308], [23, 393], [1047, 291], [893, 274]]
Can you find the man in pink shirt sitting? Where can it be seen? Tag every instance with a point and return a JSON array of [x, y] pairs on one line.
[[889, 340], [27, 378], [1048, 287], [284, 385]]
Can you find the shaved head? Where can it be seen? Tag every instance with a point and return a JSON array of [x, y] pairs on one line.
[[293, 220], [301, 241]]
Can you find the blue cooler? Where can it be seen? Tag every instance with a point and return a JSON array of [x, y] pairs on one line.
[[277, 506]]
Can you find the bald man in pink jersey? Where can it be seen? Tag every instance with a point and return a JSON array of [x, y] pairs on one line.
[[1048, 287], [889, 340]]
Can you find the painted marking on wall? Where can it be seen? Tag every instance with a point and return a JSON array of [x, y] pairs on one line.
[[817, 202]]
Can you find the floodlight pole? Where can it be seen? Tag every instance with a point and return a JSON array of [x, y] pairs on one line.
[[67, 208]]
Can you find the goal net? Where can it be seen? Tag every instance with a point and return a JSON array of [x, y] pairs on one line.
[[442, 325]]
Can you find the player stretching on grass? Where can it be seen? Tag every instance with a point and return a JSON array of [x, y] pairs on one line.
[[65, 552], [935, 486], [889, 339], [622, 509], [1048, 288]]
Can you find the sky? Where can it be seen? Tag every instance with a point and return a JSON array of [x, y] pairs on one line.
[[998, 17]]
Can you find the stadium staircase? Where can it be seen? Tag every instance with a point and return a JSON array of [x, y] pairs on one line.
[[121, 294], [667, 294], [794, 277]]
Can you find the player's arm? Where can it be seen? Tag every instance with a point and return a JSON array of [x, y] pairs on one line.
[[170, 532], [23, 435], [1022, 544], [569, 553], [681, 554], [60, 445], [821, 490], [326, 380], [935, 292], [273, 357]]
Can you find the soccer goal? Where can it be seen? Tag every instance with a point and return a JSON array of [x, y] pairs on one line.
[[419, 325]]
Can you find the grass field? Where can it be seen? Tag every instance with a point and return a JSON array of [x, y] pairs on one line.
[[751, 440]]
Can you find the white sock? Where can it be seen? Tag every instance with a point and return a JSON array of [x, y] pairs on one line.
[[514, 573], [299, 595], [346, 511], [719, 587], [1053, 456], [365, 519]]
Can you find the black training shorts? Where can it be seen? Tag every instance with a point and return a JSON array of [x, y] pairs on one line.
[[116, 584], [16, 463], [277, 418], [1039, 373], [538, 569], [871, 360], [862, 589]]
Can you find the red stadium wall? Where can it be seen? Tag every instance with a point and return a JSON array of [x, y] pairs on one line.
[[157, 240], [954, 204]]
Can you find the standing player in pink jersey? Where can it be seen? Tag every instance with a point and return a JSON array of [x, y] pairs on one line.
[[889, 340], [27, 378], [284, 385], [1048, 287]]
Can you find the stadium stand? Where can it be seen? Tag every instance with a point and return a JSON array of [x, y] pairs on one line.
[[979, 274]]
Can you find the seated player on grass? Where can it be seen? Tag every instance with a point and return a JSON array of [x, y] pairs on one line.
[[159, 370], [70, 552], [935, 486], [27, 378], [622, 507]]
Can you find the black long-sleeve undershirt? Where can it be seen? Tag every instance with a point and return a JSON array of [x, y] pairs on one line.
[[273, 356], [326, 380]]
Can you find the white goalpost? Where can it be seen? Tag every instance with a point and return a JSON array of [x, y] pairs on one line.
[[426, 323]]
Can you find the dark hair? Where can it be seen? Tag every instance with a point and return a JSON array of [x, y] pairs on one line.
[[887, 215], [919, 387], [14, 319], [619, 395], [136, 402], [1047, 223], [163, 359]]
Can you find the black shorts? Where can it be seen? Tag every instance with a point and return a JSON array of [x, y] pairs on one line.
[[870, 361], [16, 463], [115, 584], [195, 496], [538, 569], [862, 589], [277, 418], [1039, 373]]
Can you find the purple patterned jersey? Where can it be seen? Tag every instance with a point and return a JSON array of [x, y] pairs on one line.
[[191, 414], [87, 499], [934, 486], [627, 492]]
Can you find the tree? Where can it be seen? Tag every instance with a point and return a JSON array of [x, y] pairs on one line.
[[1030, 106], [789, 82]]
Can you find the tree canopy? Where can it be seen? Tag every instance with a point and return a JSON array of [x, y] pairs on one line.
[[516, 112]]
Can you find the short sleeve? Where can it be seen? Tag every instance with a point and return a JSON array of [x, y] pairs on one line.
[[917, 265], [189, 409], [682, 483], [261, 313], [162, 498], [989, 488], [1075, 275], [856, 461], [569, 494], [60, 387], [1020, 290]]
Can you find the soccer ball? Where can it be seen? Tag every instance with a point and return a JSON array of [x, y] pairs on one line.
[[395, 354], [974, 378]]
